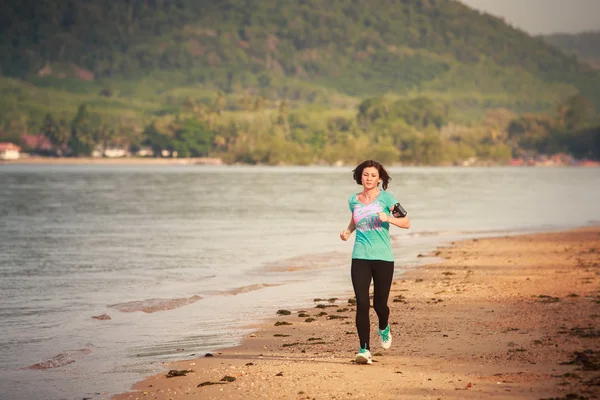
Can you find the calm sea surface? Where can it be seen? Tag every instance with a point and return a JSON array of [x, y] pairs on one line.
[[211, 250]]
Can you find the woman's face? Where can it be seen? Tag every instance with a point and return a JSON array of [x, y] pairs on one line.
[[370, 178]]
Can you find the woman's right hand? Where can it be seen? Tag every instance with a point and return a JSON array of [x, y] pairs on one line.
[[345, 234]]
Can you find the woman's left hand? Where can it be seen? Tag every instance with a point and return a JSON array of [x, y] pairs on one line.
[[383, 217]]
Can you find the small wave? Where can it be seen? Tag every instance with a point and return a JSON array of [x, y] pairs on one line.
[[154, 305], [437, 233], [60, 360], [249, 288], [456, 233], [306, 262]]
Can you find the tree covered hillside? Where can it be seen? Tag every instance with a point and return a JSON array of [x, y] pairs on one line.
[[355, 47], [278, 81], [586, 45]]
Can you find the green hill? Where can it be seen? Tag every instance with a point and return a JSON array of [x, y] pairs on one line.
[[586, 45], [341, 45], [308, 63]]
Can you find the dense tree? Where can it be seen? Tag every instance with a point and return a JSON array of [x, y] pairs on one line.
[[157, 141], [193, 139], [351, 47], [82, 140], [290, 82], [576, 113], [51, 130], [585, 45]]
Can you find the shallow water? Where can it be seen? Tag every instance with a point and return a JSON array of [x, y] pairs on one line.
[[184, 258]]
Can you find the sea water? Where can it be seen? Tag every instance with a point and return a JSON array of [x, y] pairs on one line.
[[185, 259]]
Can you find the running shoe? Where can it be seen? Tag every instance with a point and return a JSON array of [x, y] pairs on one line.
[[364, 357], [385, 337]]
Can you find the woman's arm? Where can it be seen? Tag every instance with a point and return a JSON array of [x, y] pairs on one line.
[[403, 222], [348, 231]]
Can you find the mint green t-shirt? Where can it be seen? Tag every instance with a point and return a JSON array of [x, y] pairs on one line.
[[372, 236]]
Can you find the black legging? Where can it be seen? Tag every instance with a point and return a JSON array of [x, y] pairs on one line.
[[382, 273]]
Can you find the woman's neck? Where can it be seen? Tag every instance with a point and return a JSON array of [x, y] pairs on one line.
[[371, 193]]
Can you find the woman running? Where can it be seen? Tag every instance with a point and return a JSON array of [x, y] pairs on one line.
[[372, 256]]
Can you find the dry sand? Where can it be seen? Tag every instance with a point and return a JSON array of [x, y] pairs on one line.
[[501, 318]]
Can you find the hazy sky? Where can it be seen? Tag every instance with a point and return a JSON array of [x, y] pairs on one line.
[[544, 16]]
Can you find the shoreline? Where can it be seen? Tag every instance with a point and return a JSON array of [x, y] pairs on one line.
[[41, 160], [113, 161], [496, 318]]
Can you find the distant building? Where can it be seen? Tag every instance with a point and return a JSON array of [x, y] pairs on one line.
[[145, 152], [111, 152], [96, 153], [115, 152], [9, 151]]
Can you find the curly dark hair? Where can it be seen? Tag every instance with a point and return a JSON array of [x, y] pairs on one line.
[[358, 171]]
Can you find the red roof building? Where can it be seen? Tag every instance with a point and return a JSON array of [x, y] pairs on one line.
[[9, 151]]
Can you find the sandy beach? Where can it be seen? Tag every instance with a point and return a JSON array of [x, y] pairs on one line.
[[503, 318]]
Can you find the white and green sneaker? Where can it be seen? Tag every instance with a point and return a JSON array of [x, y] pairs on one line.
[[385, 337], [364, 357]]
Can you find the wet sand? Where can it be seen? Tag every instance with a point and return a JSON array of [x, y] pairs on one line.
[[501, 318]]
